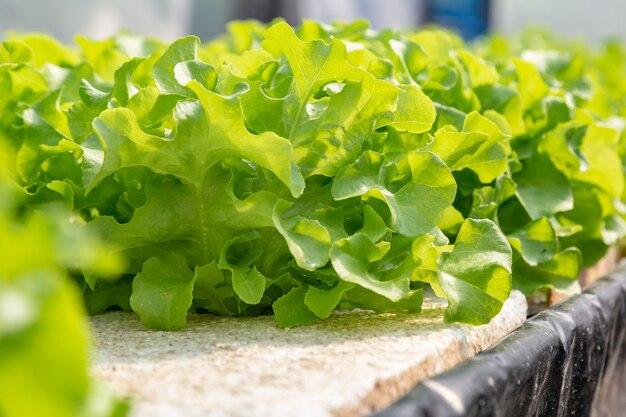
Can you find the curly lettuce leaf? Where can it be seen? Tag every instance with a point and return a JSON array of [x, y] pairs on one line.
[[476, 274]]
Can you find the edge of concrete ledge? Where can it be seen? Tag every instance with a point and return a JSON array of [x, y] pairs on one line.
[[350, 365]]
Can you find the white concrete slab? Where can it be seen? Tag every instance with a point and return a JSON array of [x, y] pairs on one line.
[[348, 365]]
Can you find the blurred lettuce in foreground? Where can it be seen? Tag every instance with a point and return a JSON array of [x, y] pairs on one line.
[[43, 335]]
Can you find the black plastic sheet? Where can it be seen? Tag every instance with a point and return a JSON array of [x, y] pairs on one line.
[[569, 360]]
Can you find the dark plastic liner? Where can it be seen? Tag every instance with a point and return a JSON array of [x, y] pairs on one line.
[[569, 360]]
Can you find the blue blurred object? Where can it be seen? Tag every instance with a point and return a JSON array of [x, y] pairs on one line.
[[470, 18]]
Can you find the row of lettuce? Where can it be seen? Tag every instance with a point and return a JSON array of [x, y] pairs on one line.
[[295, 172]]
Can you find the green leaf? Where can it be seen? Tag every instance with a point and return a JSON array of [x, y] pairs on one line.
[[480, 71], [362, 298], [103, 56], [326, 143], [560, 272], [308, 241], [351, 258], [506, 101], [203, 137], [212, 292], [487, 200], [326, 139], [563, 144], [532, 87], [47, 50], [536, 242], [165, 75], [162, 292], [43, 346], [93, 97], [588, 211], [204, 74], [604, 168], [228, 136], [313, 63], [248, 282], [323, 302], [291, 311], [481, 147], [374, 226], [451, 220], [416, 112], [408, 58], [124, 89], [197, 223], [542, 189], [418, 196], [108, 294], [476, 274], [426, 255]]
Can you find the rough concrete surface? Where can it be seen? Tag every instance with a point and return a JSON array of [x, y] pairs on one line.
[[349, 365]]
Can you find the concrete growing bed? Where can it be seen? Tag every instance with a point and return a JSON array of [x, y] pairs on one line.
[[351, 365]]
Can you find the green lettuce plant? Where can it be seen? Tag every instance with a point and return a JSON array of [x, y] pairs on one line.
[[299, 171]]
